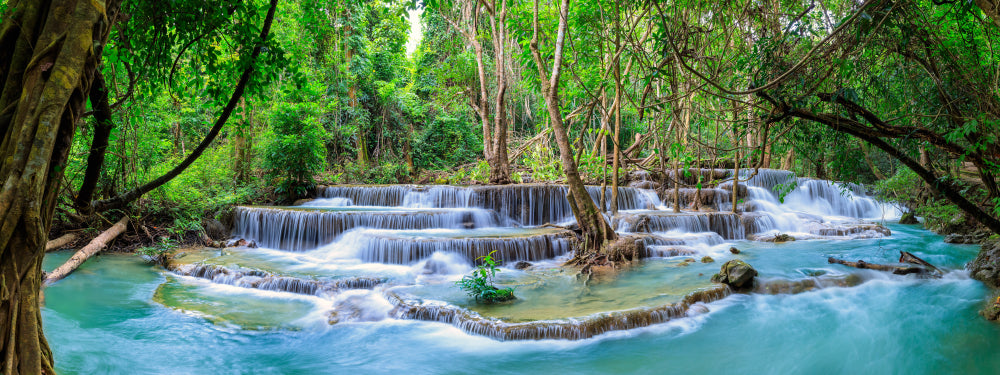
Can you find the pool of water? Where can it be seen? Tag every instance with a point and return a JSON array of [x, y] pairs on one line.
[[117, 314]]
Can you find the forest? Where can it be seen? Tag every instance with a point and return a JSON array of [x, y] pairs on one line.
[[575, 167]]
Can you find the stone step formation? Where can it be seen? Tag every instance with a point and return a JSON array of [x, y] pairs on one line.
[[405, 245]]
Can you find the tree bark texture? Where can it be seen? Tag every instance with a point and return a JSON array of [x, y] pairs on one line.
[[48, 54], [58, 243]]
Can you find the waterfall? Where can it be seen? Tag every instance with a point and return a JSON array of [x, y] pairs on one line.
[[400, 247], [299, 230]]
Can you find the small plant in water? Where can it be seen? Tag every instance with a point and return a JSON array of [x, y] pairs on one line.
[[479, 284], [158, 252]]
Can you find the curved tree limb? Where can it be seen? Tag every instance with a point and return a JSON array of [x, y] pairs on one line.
[[127, 197]]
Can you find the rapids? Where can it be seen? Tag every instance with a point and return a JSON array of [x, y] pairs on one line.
[[362, 281]]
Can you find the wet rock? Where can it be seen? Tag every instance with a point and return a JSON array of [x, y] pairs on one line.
[[971, 238], [992, 309], [986, 266], [215, 229], [734, 250], [736, 273], [522, 265], [299, 202], [707, 259], [909, 218]]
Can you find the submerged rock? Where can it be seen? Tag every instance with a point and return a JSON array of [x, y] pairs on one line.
[[909, 218], [736, 273]]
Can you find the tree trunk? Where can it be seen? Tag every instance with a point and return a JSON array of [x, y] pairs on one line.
[[898, 270], [596, 230], [58, 243], [94, 247], [103, 125], [618, 117], [789, 162], [127, 197], [49, 51]]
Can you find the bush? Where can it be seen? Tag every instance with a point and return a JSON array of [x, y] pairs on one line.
[[445, 142], [295, 148], [479, 284]]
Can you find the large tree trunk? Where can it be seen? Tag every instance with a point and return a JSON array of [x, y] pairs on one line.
[[94, 247], [48, 54], [596, 230]]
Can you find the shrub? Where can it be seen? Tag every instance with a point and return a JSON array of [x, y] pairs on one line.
[[294, 151], [480, 284]]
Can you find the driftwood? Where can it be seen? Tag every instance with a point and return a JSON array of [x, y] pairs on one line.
[[919, 266], [58, 243], [95, 246]]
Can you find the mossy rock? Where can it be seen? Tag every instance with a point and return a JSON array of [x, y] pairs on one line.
[[909, 218], [783, 238], [736, 273]]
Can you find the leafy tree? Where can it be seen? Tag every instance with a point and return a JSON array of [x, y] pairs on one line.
[[294, 152]]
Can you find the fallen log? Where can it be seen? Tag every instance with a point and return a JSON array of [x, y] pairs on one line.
[[60, 242], [897, 270], [907, 257], [95, 246]]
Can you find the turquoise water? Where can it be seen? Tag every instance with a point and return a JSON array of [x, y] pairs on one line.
[[112, 316]]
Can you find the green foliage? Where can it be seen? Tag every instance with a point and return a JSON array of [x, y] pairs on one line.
[[942, 217], [293, 153], [445, 142], [480, 285], [543, 164], [904, 187]]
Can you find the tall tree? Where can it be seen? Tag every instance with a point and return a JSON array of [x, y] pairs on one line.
[[595, 228], [493, 115]]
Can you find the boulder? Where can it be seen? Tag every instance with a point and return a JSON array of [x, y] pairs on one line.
[[986, 266], [909, 218], [736, 273], [975, 237], [215, 229], [992, 309]]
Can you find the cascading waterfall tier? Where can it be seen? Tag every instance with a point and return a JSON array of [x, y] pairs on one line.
[[303, 229], [427, 236], [257, 279], [405, 247]]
